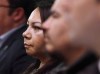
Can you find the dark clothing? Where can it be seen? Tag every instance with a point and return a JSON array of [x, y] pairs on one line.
[[61, 68], [91, 69], [55, 64], [84, 62], [32, 68], [48, 67], [13, 57]]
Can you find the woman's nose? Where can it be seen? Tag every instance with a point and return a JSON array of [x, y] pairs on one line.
[[27, 34]]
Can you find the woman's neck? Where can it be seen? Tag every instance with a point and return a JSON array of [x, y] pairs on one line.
[[44, 60]]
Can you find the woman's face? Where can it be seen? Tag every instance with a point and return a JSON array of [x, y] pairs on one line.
[[33, 36]]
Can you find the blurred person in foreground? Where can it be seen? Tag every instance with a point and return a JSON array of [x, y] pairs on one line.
[[34, 39], [56, 30], [13, 16], [84, 27]]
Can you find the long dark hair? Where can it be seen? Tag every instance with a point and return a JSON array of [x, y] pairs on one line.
[[44, 7]]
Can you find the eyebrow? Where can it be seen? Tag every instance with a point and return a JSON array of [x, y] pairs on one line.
[[33, 22], [36, 22], [37, 26]]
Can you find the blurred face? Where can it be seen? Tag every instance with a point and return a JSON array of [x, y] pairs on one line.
[[6, 21], [56, 29], [72, 21], [83, 18], [33, 36]]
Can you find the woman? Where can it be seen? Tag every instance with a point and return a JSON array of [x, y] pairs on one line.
[[34, 37]]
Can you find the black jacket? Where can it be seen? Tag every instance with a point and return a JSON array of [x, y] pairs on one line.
[[91, 69], [77, 68], [13, 58], [83, 63]]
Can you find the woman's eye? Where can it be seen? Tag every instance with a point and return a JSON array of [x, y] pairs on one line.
[[36, 26], [36, 29]]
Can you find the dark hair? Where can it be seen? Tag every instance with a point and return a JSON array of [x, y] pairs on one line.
[[44, 7], [27, 5]]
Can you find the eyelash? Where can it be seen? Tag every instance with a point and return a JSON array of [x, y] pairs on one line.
[[36, 28]]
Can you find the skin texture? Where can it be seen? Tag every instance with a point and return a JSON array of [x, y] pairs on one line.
[[33, 36], [80, 23]]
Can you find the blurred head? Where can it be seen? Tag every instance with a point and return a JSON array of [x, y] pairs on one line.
[[85, 23], [13, 13], [56, 29], [33, 36], [77, 20]]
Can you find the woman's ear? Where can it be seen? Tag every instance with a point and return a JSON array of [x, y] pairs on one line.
[[18, 14]]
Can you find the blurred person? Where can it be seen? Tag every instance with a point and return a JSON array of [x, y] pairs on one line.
[[84, 27], [13, 16], [56, 30], [34, 39]]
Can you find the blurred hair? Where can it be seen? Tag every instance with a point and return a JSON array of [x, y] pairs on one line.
[[44, 7], [27, 5]]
